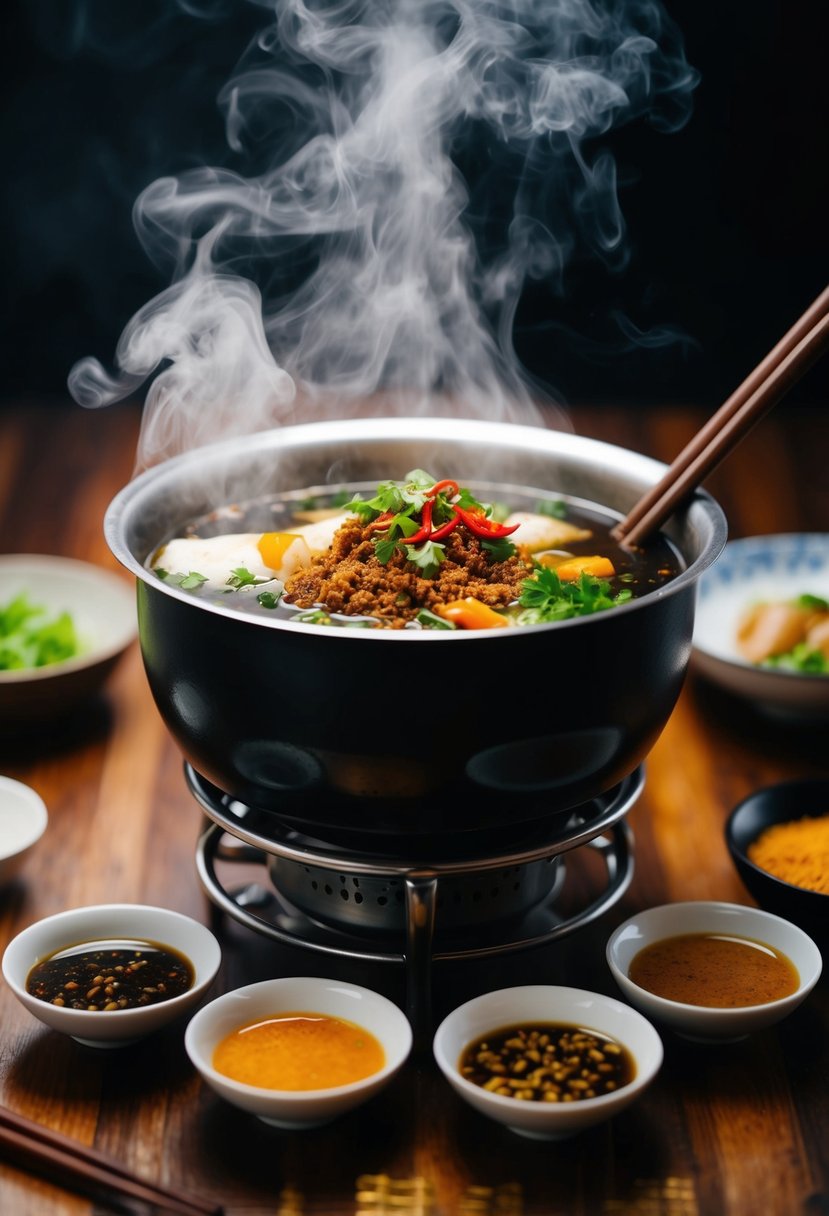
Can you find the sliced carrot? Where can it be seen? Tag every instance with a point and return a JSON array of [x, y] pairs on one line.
[[574, 567], [471, 614], [273, 546]]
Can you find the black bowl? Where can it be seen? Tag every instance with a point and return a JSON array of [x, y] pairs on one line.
[[808, 798]]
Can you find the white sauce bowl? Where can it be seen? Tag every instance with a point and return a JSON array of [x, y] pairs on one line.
[[537, 1003], [101, 922], [23, 819], [298, 1108], [703, 1023]]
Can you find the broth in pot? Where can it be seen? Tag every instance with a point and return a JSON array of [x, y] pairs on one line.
[[416, 554]]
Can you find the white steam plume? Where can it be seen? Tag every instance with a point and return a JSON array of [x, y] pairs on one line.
[[355, 114]]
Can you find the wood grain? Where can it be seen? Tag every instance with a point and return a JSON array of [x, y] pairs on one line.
[[738, 1131]]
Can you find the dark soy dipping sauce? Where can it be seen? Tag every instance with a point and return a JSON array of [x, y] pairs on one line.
[[638, 570], [110, 975], [547, 1062]]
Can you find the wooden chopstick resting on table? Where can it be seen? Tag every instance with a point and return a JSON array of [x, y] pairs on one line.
[[785, 363], [59, 1158]]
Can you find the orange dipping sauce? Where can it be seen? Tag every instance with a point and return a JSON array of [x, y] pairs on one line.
[[714, 970], [299, 1051]]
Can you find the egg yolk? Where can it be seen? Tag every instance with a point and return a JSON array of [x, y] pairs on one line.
[[273, 546]]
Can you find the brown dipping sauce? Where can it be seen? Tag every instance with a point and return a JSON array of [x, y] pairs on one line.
[[106, 976], [714, 970]]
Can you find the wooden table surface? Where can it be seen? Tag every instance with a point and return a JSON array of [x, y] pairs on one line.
[[738, 1131]]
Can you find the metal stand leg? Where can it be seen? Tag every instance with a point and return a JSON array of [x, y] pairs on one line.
[[421, 894]]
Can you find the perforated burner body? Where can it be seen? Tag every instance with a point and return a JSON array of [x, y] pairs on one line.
[[377, 903]]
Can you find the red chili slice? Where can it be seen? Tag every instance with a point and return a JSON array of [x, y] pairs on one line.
[[478, 523], [381, 522], [446, 528], [424, 532], [441, 486]]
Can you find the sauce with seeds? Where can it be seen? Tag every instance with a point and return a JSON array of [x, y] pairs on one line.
[[547, 1062], [109, 975]]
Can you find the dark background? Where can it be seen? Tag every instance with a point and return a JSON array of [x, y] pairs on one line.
[[727, 218]]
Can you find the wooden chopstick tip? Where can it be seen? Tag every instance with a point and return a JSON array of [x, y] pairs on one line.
[[76, 1166]]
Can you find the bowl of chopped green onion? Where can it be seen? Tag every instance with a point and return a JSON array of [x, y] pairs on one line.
[[64, 624], [762, 625]]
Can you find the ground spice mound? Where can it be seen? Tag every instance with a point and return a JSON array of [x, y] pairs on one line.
[[797, 852], [349, 579]]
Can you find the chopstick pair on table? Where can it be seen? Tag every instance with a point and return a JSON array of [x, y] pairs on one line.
[[781, 368], [68, 1162]]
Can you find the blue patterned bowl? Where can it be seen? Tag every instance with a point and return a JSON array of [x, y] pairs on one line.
[[776, 567]]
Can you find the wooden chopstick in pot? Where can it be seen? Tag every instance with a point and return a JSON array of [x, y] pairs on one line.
[[770, 380]]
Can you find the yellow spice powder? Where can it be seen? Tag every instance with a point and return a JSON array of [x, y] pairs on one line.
[[797, 852]]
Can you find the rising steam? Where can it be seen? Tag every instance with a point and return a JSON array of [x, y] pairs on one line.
[[353, 258]]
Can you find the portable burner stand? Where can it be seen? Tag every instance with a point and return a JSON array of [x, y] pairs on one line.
[[357, 875]]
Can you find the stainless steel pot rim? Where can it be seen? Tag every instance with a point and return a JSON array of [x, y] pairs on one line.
[[509, 436]]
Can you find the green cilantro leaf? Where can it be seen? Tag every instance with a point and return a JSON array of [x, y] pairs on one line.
[[468, 502], [364, 510], [398, 497], [188, 582], [499, 548], [544, 597], [268, 599], [384, 550], [427, 557], [553, 508], [813, 603], [419, 479], [242, 577], [192, 581], [402, 523]]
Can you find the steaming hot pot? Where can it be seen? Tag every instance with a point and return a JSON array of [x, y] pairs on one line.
[[405, 731]]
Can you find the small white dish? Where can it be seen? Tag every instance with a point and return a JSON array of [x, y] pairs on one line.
[[23, 819], [102, 607], [295, 1109], [702, 1023], [105, 922], [756, 568], [543, 1003]]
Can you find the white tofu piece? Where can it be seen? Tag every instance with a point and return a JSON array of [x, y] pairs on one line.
[[216, 557], [319, 535], [538, 532]]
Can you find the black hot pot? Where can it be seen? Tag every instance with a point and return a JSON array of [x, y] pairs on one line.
[[401, 731]]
